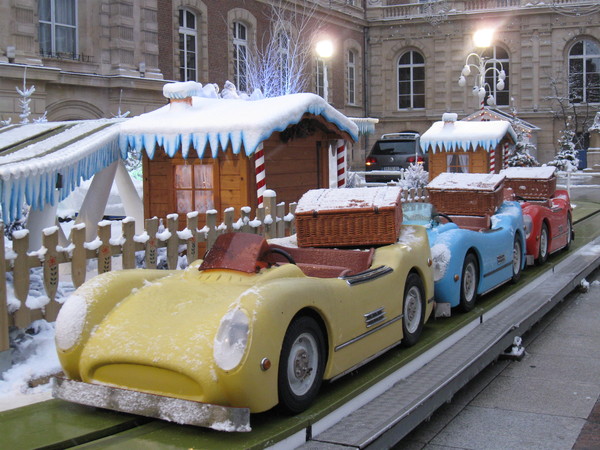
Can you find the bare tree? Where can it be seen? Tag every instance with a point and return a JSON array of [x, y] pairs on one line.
[[281, 64], [576, 115]]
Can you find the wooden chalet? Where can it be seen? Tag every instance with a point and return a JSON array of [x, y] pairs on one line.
[[203, 151], [467, 147]]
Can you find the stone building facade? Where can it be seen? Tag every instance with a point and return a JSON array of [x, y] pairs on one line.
[[393, 60]]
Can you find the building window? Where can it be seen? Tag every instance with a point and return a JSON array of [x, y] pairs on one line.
[[283, 49], [351, 78], [584, 72], [58, 28], [240, 56], [491, 77], [457, 163], [320, 79], [188, 39], [411, 81], [194, 187]]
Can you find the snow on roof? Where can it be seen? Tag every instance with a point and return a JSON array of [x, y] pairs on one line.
[[222, 121], [366, 125], [459, 135], [497, 114], [544, 172], [336, 199], [467, 181], [32, 157]]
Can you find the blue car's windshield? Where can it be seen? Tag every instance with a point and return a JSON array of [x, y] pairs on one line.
[[416, 213]]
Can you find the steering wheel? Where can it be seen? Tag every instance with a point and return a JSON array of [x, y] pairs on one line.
[[283, 253], [445, 216]]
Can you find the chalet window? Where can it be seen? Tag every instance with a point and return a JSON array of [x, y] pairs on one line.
[[457, 163], [411, 81], [240, 56], [188, 40], [584, 72], [58, 28], [351, 78], [491, 76], [195, 187]]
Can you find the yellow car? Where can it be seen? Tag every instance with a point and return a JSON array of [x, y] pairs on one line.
[[252, 326]]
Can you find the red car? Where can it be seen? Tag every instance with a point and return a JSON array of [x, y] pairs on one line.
[[546, 211]]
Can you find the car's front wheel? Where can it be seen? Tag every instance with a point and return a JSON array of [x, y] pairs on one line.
[[517, 258], [301, 364], [468, 283], [569, 232], [543, 250], [413, 310]]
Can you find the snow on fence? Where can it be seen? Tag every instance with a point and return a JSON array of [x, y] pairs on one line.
[[270, 221]]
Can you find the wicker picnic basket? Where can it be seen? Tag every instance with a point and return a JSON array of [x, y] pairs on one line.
[[354, 217], [467, 202], [532, 183]]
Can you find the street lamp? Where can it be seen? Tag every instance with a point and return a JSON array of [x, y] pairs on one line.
[[482, 38], [324, 50]]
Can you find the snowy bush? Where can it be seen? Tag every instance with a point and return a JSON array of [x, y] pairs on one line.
[[415, 177], [522, 156]]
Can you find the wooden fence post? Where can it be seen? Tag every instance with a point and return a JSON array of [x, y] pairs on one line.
[[151, 256], [172, 242], [104, 252], [22, 316], [78, 258], [192, 242], [128, 247], [270, 214], [50, 265], [211, 223]]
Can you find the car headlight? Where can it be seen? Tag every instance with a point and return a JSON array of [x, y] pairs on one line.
[[231, 339], [70, 322], [528, 225]]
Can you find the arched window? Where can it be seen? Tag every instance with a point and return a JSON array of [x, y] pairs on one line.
[[283, 48], [188, 51], [240, 56], [491, 77], [584, 72], [351, 78], [411, 80]]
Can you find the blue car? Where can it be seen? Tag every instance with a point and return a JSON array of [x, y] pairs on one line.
[[471, 255]]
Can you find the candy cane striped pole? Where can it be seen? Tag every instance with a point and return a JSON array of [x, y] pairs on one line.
[[505, 155], [259, 167], [341, 164], [493, 160]]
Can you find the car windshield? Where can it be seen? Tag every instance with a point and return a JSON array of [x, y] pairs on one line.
[[416, 213], [394, 147]]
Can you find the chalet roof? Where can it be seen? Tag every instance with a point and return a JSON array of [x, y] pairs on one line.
[[488, 113], [213, 123], [452, 135], [40, 158]]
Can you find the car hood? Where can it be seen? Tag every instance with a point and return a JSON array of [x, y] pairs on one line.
[[168, 324]]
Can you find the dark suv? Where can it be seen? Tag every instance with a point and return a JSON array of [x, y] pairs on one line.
[[394, 151]]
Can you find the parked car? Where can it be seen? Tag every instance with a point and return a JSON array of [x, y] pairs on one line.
[[251, 326], [471, 254], [393, 152]]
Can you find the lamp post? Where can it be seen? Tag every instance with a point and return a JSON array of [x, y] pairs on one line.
[[482, 38], [324, 49]]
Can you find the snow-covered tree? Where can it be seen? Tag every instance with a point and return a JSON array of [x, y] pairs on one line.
[[25, 101], [567, 158], [415, 177], [279, 66], [522, 155]]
